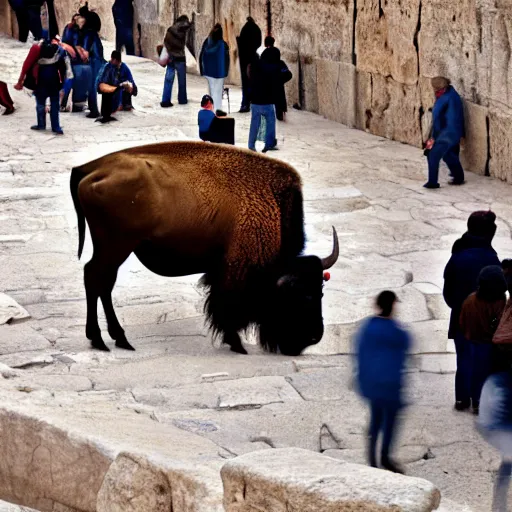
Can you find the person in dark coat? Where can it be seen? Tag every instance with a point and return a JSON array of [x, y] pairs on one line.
[[285, 76], [470, 254], [172, 55], [248, 42], [50, 80], [264, 74], [381, 347], [122, 10], [447, 132]]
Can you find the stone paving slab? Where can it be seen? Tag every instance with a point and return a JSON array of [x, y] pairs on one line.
[[393, 234]]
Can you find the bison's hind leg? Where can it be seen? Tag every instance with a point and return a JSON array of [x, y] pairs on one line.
[[235, 343]]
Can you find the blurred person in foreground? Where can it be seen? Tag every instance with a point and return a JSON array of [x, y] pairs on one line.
[[381, 347]]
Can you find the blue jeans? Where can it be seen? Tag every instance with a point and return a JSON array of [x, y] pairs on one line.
[[172, 68], [269, 113], [81, 82], [450, 154], [41, 97], [124, 37], [383, 418], [463, 373]]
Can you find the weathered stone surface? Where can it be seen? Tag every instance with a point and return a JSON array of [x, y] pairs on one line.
[[11, 311], [500, 129], [474, 153], [265, 481]]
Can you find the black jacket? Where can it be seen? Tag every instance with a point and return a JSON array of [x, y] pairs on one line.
[[265, 81], [248, 41], [470, 254]]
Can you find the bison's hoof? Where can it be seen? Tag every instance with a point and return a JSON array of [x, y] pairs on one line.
[[99, 344], [238, 349], [123, 343]]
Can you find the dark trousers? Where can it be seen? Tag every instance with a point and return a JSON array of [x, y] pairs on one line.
[[41, 97], [34, 21], [450, 154], [463, 373], [22, 19], [383, 418], [222, 130], [481, 368], [246, 102], [111, 102], [124, 37]]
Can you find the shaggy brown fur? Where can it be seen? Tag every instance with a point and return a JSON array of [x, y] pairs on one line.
[[184, 208]]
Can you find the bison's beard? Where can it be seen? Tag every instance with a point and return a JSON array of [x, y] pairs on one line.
[[284, 338]]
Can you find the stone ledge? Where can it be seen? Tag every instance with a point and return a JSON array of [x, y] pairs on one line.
[[294, 479]]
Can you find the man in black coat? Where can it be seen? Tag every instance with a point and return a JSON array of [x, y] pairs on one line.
[[248, 41], [470, 254]]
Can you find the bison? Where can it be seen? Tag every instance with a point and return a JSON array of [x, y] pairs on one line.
[[186, 208]]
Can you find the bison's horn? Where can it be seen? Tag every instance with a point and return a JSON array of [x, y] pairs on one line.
[[333, 258]]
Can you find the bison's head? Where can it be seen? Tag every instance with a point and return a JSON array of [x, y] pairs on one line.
[[294, 319]]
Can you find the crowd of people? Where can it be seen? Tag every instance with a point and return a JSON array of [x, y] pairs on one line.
[[475, 286]]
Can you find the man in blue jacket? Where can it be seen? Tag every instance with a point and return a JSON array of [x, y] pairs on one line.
[[447, 132], [382, 347], [470, 254]]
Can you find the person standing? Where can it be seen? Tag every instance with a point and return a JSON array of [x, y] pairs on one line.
[[479, 318], [51, 75], [122, 10], [285, 75], [173, 57], [5, 99], [264, 74], [447, 132], [33, 9], [18, 6], [116, 85], [248, 42], [214, 64], [382, 346], [470, 254]]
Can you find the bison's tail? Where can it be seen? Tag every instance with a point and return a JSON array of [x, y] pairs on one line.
[[76, 177]]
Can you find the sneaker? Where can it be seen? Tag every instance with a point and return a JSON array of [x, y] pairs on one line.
[[244, 109], [431, 185], [8, 111], [58, 132], [93, 115], [220, 113], [37, 128], [461, 406], [166, 104]]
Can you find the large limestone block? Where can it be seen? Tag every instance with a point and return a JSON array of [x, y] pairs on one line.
[[11, 311], [42, 464], [475, 150], [449, 41], [500, 132], [385, 38], [394, 111], [294, 479], [343, 92], [137, 484]]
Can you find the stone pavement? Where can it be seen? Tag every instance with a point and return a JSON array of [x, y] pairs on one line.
[[393, 234]]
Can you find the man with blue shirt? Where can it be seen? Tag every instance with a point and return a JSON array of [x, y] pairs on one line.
[[382, 346], [117, 86], [447, 132]]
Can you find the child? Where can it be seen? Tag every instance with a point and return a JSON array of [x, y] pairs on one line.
[[382, 346], [206, 116]]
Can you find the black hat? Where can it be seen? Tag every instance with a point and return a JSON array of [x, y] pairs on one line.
[[205, 100]]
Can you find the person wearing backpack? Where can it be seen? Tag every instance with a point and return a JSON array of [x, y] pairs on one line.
[[53, 69]]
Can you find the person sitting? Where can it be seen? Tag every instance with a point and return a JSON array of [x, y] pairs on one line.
[[213, 128], [116, 85]]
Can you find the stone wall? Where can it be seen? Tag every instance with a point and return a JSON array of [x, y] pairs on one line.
[[366, 63]]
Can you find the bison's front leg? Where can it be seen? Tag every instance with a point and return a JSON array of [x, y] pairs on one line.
[[233, 340]]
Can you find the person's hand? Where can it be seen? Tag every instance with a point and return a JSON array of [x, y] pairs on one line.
[[462, 142], [429, 144], [19, 86]]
